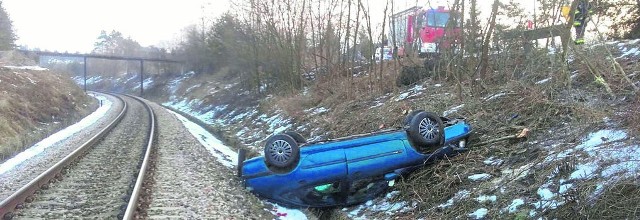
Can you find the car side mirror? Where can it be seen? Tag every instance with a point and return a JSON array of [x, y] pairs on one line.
[[390, 176]]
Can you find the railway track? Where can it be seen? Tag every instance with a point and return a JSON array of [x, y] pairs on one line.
[[100, 179]]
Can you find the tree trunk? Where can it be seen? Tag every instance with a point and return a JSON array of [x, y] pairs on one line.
[[484, 61], [384, 21], [565, 45]]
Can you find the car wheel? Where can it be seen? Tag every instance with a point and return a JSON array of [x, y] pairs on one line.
[[281, 151], [426, 131], [407, 119], [296, 136]]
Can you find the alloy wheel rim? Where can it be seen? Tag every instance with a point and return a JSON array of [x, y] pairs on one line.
[[428, 129], [280, 151]]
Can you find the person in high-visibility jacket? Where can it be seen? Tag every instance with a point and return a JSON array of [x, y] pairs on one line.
[[580, 19]]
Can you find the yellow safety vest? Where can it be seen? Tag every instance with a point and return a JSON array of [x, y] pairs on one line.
[[565, 11]]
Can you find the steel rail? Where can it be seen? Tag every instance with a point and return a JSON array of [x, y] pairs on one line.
[[137, 190], [9, 204]]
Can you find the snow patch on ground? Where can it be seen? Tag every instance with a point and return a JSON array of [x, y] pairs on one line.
[[457, 197], [316, 111], [277, 123], [545, 193], [479, 214], [513, 207], [543, 81], [223, 153], [633, 51], [584, 171], [90, 80], [188, 108], [37, 68], [245, 115], [386, 205], [492, 161], [601, 155], [380, 101], [410, 93], [147, 83], [494, 96], [58, 136], [174, 84], [485, 199], [283, 213], [452, 110], [479, 177]]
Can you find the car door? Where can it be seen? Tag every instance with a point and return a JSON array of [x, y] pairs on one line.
[[321, 178], [367, 165], [374, 158]]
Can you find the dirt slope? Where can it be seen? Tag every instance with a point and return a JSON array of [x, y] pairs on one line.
[[551, 172], [34, 103]]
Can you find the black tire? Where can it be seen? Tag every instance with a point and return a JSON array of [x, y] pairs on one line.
[[407, 119], [426, 131], [296, 136], [242, 155], [281, 151]]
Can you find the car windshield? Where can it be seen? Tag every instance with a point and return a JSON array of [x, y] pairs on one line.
[[436, 19]]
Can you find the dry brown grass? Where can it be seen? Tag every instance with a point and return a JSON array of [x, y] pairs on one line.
[[630, 116], [553, 112], [617, 201], [542, 108], [34, 104]]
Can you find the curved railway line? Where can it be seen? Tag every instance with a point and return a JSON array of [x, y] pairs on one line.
[[100, 179]]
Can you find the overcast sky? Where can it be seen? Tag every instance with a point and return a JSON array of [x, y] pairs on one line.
[[74, 25]]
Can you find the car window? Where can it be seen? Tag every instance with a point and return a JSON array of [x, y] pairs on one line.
[[328, 193], [366, 188], [437, 19]]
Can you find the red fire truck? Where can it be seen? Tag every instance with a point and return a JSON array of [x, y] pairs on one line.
[[424, 31]]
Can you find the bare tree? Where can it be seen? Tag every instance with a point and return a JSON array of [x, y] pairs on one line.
[[484, 60]]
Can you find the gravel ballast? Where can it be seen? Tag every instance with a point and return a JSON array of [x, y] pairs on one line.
[[97, 186], [189, 183], [20, 175]]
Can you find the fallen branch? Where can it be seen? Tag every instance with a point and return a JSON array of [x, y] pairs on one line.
[[523, 134], [510, 137], [616, 64]]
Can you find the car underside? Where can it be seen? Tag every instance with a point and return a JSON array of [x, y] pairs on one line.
[[352, 169]]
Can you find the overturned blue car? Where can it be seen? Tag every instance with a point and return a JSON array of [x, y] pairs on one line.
[[352, 169]]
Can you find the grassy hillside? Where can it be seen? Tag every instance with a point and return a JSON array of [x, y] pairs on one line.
[[539, 142], [34, 103]]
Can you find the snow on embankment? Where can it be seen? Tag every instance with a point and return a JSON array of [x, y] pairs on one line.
[[604, 156], [223, 153], [35, 102], [628, 49], [501, 193], [58, 136], [229, 158], [120, 83]]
